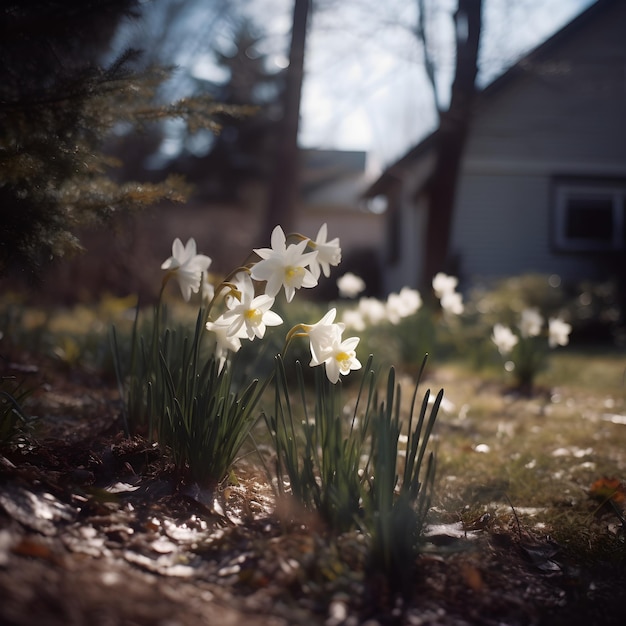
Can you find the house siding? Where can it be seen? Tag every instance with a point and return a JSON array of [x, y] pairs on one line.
[[407, 270], [357, 230], [570, 105], [502, 228], [565, 116], [410, 224]]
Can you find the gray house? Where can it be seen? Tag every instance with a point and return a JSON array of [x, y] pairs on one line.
[[542, 187], [331, 183]]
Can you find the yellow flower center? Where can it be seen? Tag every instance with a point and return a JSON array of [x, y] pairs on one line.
[[293, 274], [254, 316], [343, 358]]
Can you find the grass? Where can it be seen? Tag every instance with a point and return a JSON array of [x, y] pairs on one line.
[[596, 370], [537, 457], [520, 466]]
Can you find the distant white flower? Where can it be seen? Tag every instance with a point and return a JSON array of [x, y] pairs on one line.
[[444, 287], [504, 338], [531, 322], [411, 299], [372, 310], [452, 302], [353, 318], [187, 266], [444, 284], [284, 266], [224, 341], [350, 285], [558, 332], [251, 316], [403, 304], [338, 356], [328, 252]]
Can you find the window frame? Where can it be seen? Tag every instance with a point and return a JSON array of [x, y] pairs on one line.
[[565, 190]]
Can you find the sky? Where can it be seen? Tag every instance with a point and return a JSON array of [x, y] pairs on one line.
[[365, 88]]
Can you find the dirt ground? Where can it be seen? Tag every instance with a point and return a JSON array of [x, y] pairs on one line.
[[94, 528]]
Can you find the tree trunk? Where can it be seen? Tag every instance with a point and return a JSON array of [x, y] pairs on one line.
[[284, 183], [452, 134]]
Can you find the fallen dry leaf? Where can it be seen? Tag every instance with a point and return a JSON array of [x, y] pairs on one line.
[[606, 489]]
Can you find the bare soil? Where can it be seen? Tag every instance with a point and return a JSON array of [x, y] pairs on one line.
[[95, 528]]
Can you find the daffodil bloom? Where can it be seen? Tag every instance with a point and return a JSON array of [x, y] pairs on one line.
[[530, 323], [338, 356], [323, 333], [353, 318], [372, 310], [224, 341], [251, 316], [187, 266], [328, 252], [558, 332], [452, 302], [284, 266], [403, 304], [350, 285], [241, 287], [444, 284], [504, 338]]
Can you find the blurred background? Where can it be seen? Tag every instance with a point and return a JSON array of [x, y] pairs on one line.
[[482, 138]]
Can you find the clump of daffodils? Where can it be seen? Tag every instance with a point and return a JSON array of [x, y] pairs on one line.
[[248, 295], [370, 311], [186, 391], [181, 389], [524, 346]]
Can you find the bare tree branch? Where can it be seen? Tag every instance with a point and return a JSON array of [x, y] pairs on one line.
[[429, 62]]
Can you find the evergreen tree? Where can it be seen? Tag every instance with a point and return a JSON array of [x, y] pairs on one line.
[[57, 106], [241, 151]]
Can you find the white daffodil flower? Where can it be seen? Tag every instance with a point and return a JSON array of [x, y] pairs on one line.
[[322, 334], [241, 287], [350, 285], [558, 332], [353, 318], [452, 302], [224, 341], [338, 356], [444, 287], [403, 304], [444, 284], [328, 253], [531, 322], [251, 316], [284, 266], [187, 266], [504, 338], [372, 310]]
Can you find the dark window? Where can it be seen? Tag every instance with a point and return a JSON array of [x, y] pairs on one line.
[[589, 218]]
